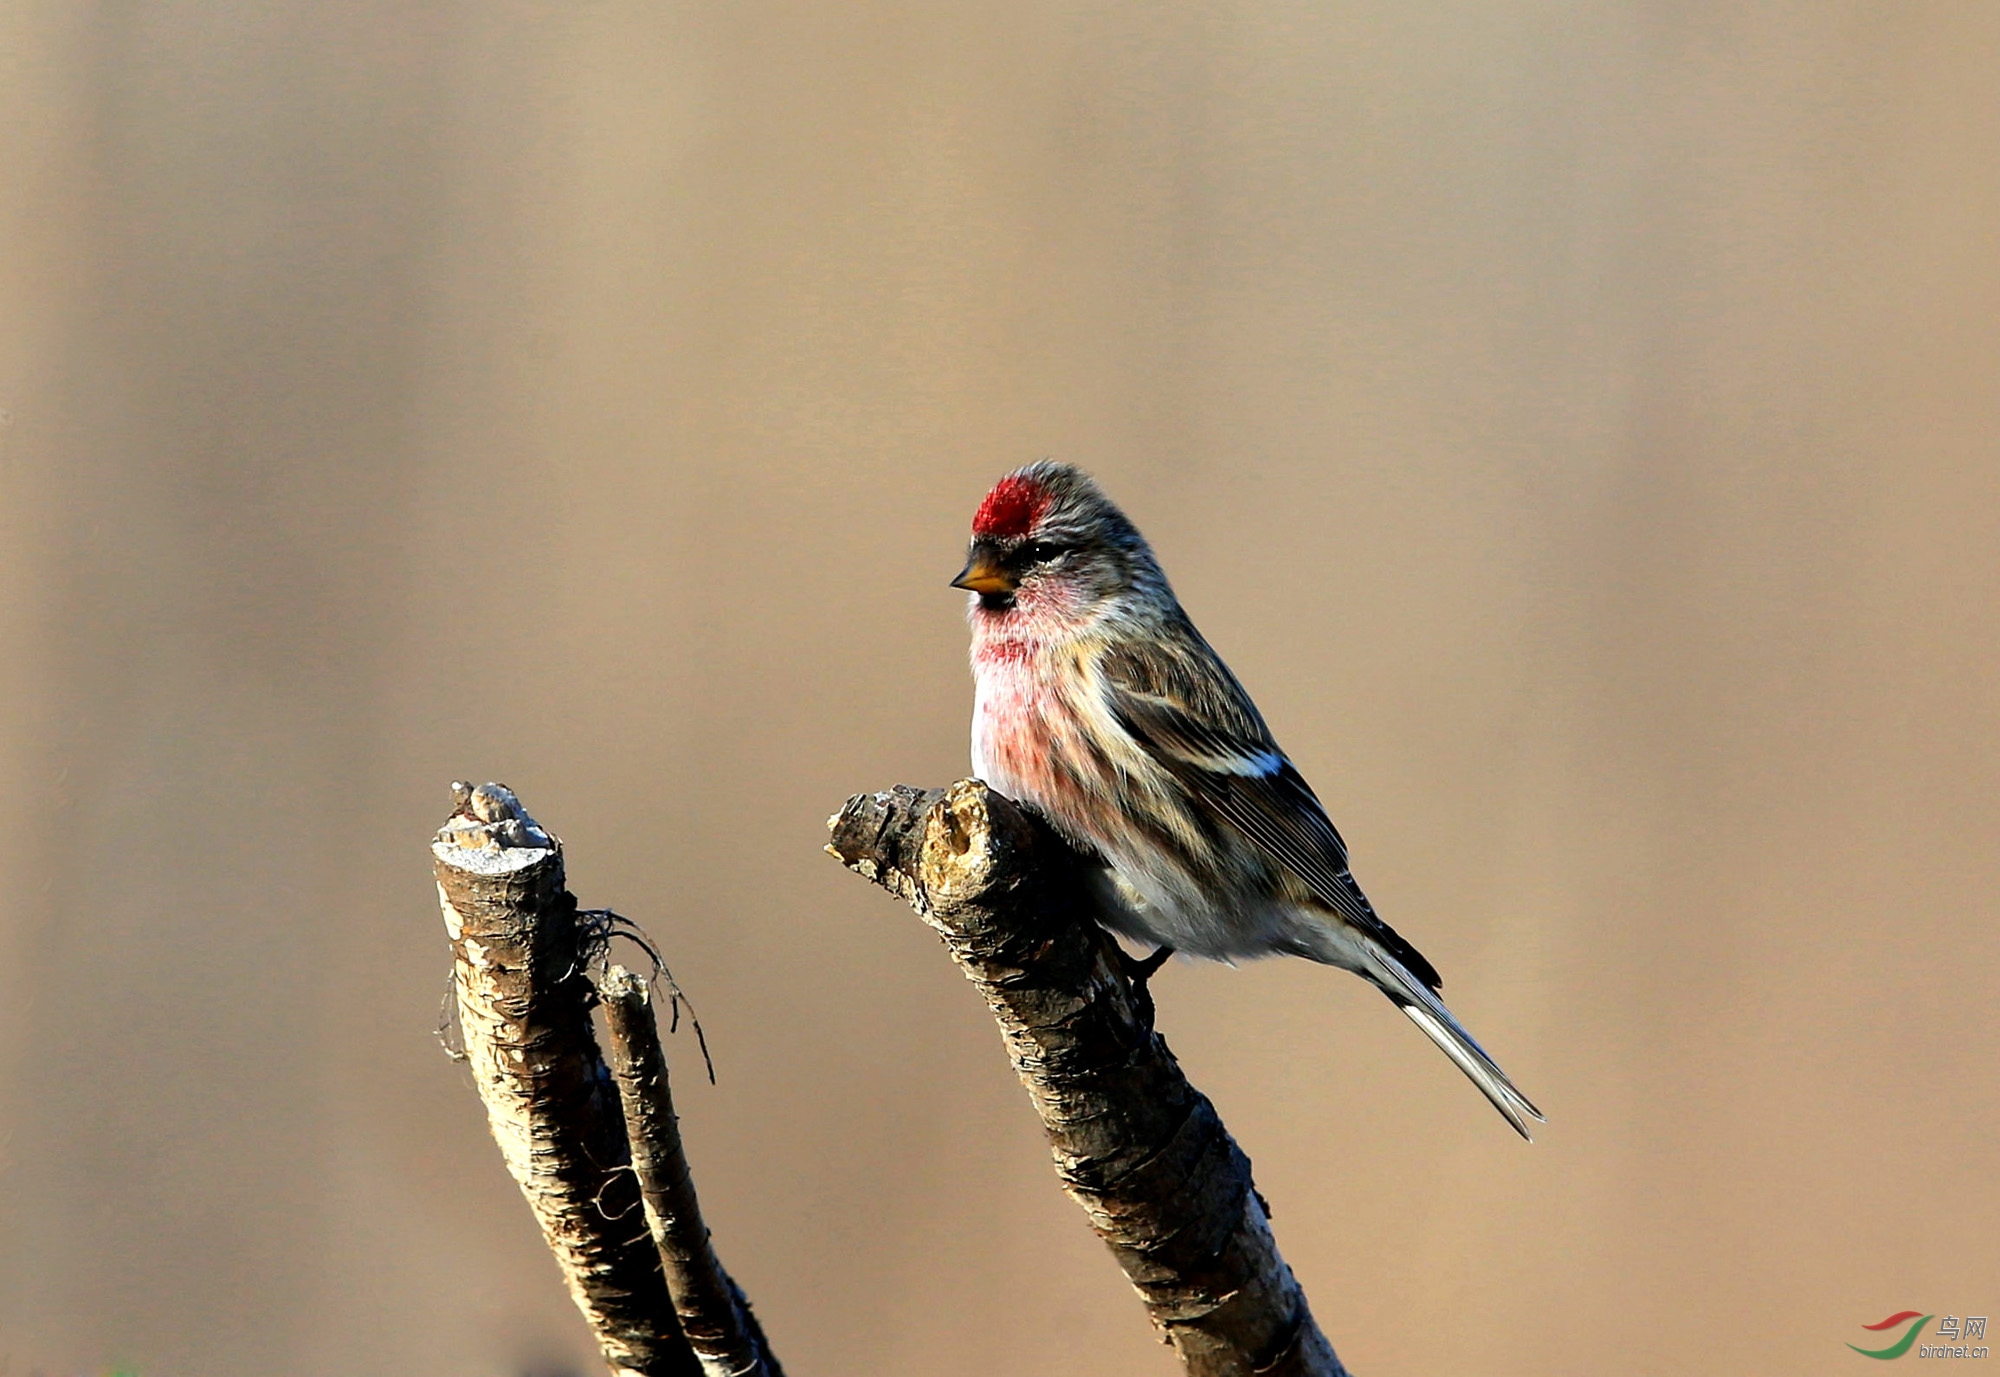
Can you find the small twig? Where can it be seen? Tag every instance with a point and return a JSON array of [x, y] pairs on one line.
[[713, 1314], [449, 1035], [1141, 1150]]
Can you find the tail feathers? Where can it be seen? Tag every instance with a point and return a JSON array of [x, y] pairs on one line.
[[1490, 1079], [1428, 1012]]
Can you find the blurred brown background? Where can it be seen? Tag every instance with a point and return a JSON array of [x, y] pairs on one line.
[[1576, 423]]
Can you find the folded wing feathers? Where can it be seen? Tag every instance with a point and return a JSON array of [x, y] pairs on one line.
[[1227, 759], [1183, 707]]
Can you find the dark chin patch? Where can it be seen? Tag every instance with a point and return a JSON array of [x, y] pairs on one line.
[[996, 602]]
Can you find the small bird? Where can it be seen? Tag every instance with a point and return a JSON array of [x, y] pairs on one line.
[[1101, 707]]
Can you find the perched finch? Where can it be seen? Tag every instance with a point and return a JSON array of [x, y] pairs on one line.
[[1101, 707]]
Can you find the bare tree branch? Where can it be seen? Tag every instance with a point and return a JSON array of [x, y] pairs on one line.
[[1138, 1147], [713, 1312], [524, 1008]]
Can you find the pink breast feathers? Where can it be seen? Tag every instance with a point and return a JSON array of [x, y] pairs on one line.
[[1027, 740], [1010, 730]]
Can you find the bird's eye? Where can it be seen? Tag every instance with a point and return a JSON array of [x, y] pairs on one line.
[[1039, 552]]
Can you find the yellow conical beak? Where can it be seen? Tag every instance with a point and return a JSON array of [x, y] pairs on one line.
[[983, 574]]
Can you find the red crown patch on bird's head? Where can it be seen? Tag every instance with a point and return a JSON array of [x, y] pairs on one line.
[[1012, 508]]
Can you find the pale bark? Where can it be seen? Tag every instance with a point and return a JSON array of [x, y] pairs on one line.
[[1135, 1145], [524, 1008]]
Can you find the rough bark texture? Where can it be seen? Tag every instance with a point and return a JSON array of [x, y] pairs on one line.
[[523, 1004], [714, 1314], [1138, 1147]]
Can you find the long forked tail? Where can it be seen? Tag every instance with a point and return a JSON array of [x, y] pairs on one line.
[[1427, 1011]]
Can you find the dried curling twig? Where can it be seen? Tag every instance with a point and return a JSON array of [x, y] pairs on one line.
[[600, 925]]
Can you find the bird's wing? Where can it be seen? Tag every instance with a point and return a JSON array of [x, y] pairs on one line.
[[1181, 703]]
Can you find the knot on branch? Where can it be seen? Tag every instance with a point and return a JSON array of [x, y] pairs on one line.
[[994, 880], [489, 817]]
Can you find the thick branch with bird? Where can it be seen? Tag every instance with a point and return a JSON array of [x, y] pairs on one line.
[[1141, 1150]]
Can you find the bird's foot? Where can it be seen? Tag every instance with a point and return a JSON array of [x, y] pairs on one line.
[[1140, 970]]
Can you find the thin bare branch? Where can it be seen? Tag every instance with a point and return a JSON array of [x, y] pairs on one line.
[[713, 1313]]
